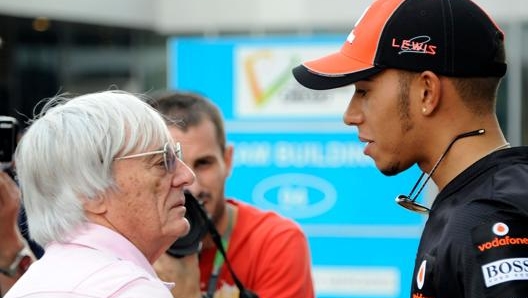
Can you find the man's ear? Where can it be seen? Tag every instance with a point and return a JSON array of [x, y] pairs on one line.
[[95, 205], [228, 158], [431, 92]]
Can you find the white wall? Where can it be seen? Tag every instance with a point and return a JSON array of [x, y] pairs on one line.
[[127, 13], [258, 15], [213, 16]]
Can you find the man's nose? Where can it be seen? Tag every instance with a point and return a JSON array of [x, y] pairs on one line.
[[353, 114]]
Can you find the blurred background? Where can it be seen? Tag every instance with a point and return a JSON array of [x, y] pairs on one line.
[[48, 46], [293, 154]]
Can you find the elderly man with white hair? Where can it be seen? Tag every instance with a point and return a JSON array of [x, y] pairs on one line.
[[102, 183]]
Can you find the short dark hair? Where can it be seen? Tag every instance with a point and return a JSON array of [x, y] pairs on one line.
[[478, 94], [186, 109]]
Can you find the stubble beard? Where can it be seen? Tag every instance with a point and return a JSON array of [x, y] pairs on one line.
[[395, 167]]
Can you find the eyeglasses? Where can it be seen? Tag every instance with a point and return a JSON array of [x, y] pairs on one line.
[[170, 154]]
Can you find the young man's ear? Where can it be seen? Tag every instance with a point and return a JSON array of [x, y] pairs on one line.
[[431, 92]]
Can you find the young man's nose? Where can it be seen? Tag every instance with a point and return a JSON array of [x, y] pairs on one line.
[[353, 115]]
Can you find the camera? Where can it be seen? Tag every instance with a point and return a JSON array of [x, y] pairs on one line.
[[198, 220], [8, 138]]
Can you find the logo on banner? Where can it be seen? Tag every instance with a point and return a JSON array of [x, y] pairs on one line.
[[262, 93], [264, 85], [295, 195]]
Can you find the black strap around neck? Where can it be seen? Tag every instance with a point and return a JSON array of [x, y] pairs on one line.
[[217, 239]]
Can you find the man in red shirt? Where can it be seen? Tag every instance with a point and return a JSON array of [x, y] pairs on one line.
[[268, 253]]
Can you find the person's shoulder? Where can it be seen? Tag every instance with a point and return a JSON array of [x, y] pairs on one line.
[[264, 220], [483, 213], [495, 183], [122, 278], [85, 270], [92, 277], [102, 288], [246, 209]]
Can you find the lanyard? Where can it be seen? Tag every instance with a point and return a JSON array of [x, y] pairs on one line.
[[219, 259]]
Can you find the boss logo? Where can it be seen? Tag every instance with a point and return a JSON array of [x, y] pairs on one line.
[[505, 270]]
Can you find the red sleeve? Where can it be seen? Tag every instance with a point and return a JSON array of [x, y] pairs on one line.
[[270, 255], [286, 267]]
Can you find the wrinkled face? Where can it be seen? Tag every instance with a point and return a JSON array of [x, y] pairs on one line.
[[380, 108], [212, 166], [148, 205]]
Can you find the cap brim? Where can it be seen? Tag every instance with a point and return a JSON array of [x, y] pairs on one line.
[[332, 71]]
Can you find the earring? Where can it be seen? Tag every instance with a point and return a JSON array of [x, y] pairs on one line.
[[424, 110]]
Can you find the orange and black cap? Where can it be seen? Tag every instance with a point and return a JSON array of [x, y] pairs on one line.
[[449, 37]]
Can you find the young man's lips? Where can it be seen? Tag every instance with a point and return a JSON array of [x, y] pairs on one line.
[[364, 140], [368, 143]]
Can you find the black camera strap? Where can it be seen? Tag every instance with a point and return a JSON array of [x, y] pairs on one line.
[[219, 259], [217, 239]]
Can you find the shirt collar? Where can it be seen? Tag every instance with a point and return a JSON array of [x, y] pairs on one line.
[[109, 241]]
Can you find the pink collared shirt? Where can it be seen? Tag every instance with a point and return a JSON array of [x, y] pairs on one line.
[[96, 262]]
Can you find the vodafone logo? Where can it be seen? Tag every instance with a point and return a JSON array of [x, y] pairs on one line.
[[420, 276], [500, 229], [502, 240]]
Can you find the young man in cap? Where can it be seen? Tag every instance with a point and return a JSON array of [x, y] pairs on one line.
[[426, 75]]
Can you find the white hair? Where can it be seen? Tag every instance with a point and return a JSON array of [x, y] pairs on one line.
[[67, 153]]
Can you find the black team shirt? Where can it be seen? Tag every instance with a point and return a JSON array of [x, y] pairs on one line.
[[475, 241]]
